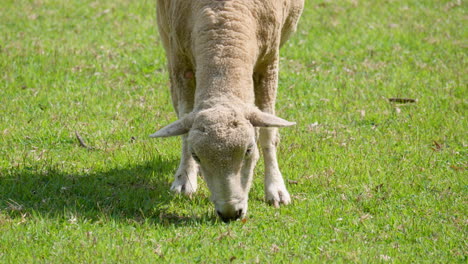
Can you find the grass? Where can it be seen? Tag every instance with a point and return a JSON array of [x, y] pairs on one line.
[[372, 181]]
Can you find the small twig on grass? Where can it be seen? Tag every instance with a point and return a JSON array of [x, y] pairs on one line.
[[293, 182], [402, 100], [82, 143]]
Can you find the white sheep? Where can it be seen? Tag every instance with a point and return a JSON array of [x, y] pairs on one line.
[[223, 63]]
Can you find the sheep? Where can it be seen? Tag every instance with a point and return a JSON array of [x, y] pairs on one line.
[[223, 66]]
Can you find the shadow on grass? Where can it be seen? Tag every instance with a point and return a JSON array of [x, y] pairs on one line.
[[135, 194]]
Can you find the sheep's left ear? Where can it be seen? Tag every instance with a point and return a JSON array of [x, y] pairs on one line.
[[177, 128], [261, 119]]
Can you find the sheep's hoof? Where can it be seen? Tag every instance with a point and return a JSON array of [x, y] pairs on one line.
[[276, 195], [184, 186]]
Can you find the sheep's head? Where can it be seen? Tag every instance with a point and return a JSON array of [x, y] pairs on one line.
[[222, 140]]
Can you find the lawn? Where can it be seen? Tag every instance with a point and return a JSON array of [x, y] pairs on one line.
[[371, 180]]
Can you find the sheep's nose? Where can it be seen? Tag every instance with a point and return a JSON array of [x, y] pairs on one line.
[[226, 217]]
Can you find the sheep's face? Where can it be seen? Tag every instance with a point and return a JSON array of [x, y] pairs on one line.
[[223, 142]]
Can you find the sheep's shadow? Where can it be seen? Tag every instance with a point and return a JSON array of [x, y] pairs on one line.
[[134, 194]]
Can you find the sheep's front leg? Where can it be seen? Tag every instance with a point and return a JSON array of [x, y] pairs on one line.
[[182, 92], [186, 176], [266, 82], [275, 189]]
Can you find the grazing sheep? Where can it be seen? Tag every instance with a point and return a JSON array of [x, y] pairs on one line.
[[223, 63]]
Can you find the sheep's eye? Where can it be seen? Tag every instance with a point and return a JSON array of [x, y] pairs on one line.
[[195, 157], [249, 151]]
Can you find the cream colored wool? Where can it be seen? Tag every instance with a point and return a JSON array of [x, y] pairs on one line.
[[223, 64]]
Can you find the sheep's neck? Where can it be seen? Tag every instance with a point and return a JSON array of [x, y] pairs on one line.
[[225, 50], [217, 83]]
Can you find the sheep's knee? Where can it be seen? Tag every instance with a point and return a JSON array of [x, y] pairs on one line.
[[269, 138]]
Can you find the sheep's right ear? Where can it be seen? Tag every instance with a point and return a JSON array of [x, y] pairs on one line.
[[177, 128]]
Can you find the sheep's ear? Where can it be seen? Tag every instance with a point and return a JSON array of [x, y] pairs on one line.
[[177, 128], [261, 119]]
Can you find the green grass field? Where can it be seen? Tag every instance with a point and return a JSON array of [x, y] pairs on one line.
[[371, 180]]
